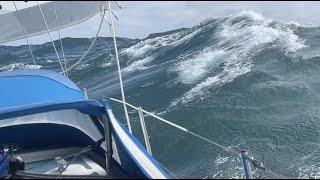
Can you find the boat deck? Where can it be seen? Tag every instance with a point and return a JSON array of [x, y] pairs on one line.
[[43, 164]]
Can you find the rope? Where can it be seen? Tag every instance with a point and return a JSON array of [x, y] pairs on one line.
[[90, 47], [49, 162], [84, 150], [119, 69], [75, 155], [64, 58], [45, 22], [25, 34]]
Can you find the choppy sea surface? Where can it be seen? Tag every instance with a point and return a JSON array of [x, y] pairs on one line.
[[244, 81]]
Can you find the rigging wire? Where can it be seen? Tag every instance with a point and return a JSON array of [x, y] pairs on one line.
[[90, 47], [118, 65], [25, 35], [45, 22], [62, 49]]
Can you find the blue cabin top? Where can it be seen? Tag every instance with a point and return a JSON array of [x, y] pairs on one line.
[[28, 92], [25, 87]]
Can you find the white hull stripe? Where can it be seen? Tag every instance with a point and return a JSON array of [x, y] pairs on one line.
[[137, 154]]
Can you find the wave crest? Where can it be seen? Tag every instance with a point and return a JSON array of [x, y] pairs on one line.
[[239, 38]]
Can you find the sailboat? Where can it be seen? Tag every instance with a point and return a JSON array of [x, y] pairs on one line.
[[48, 126]]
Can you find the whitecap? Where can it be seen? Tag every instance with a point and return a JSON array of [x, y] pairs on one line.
[[81, 66], [144, 51], [138, 65], [106, 64], [238, 43], [14, 66]]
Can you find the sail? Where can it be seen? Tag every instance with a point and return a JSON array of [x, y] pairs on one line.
[[68, 13]]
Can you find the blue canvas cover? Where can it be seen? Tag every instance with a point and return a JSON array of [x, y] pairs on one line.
[[25, 87]]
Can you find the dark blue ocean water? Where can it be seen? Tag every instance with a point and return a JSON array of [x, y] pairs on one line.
[[244, 81]]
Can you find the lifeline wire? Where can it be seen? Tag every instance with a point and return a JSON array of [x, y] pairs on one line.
[[54, 47]]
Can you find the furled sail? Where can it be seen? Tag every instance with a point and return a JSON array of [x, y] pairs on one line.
[[68, 13]]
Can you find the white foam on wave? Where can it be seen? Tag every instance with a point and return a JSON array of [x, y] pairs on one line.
[[194, 69], [148, 84], [227, 167], [251, 14], [81, 66], [239, 40], [106, 64], [14, 66], [309, 171], [47, 59], [308, 167], [138, 65], [140, 49], [140, 52]]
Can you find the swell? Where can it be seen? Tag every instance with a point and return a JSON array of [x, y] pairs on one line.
[[243, 80]]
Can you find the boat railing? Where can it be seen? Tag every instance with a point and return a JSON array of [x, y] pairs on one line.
[[246, 160]]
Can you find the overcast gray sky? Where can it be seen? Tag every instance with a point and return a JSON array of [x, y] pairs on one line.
[[137, 19]]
